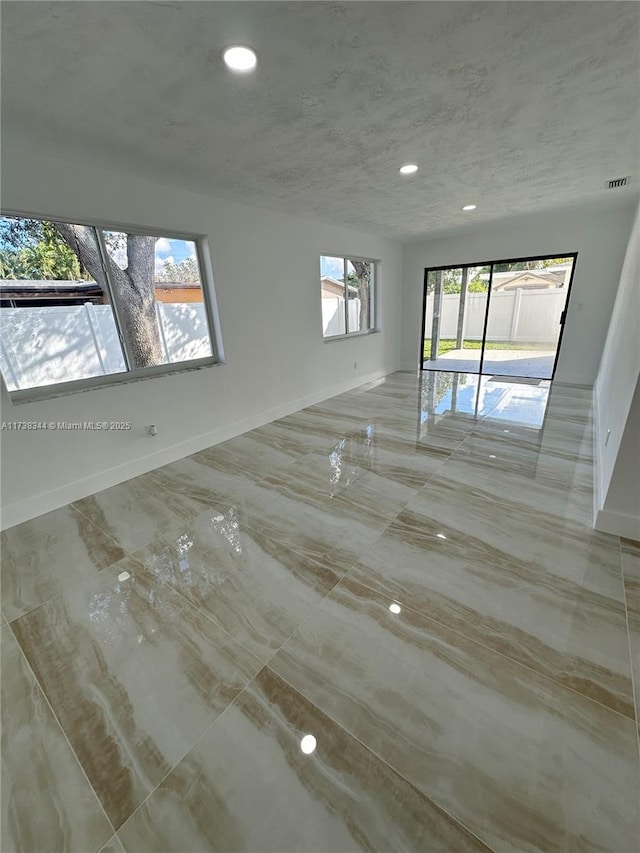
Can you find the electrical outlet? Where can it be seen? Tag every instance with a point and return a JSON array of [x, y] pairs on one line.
[[152, 429]]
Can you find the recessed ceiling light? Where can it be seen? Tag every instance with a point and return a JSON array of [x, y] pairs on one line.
[[441, 536], [308, 744], [395, 608], [408, 169], [239, 58], [470, 207]]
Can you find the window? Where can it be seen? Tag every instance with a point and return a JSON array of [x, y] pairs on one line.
[[347, 291], [83, 306]]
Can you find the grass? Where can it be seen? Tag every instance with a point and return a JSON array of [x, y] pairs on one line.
[[448, 344]]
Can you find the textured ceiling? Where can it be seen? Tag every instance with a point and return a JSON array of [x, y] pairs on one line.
[[514, 106]]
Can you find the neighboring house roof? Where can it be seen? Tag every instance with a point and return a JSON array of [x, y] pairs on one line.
[[178, 285], [26, 290], [528, 279], [334, 287], [29, 285], [548, 277]]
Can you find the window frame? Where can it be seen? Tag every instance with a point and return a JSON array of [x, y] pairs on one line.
[[203, 256], [374, 326], [492, 264]]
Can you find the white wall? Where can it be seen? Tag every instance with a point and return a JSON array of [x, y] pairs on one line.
[[277, 360], [598, 232], [620, 513], [617, 406]]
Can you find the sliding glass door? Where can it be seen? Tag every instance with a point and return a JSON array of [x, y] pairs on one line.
[[456, 306], [501, 317]]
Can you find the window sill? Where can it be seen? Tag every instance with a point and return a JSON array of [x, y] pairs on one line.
[[348, 337], [78, 386]]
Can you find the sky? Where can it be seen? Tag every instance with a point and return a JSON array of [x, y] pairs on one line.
[[332, 266], [167, 249], [174, 251]]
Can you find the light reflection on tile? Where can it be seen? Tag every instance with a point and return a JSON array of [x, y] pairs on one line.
[[255, 588], [303, 515], [454, 395], [309, 433], [536, 524], [555, 626], [519, 760], [41, 556], [134, 674], [527, 456], [138, 511], [247, 785], [517, 405], [47, 803], [346, 480], [393, 458]]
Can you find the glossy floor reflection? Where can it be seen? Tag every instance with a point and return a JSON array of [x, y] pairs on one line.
[[381, 623]]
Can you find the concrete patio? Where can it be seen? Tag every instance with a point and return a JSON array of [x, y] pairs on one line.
[[526, 363]]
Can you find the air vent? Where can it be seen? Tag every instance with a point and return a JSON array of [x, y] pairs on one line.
[[616, 183]]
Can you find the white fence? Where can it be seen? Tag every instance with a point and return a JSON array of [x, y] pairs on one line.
[[514, 315], [41, 346], [333, 315]]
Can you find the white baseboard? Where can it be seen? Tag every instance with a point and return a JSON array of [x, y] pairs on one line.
[[573, 384], [36, 505], [597, 467], [618, 523]]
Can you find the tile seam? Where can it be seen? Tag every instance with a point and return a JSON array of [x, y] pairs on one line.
[[373, 752], [490, 649], [66, 739]]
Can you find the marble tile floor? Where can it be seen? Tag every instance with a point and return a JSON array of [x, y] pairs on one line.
[[381, 623]]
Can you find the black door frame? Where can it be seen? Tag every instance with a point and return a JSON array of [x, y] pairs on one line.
[[491, 264]]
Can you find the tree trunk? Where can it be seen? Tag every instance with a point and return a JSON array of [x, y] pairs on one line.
[[462, 305], [437, 311], [363, 274], [133, 288]]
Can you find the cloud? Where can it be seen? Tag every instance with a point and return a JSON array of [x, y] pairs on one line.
[[333, 267], [163, 246]]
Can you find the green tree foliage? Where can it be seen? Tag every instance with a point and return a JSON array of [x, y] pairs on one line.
[[519, 266], [30, 249], [183, 271], [33, 249], [452, 281], [452, 278]]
